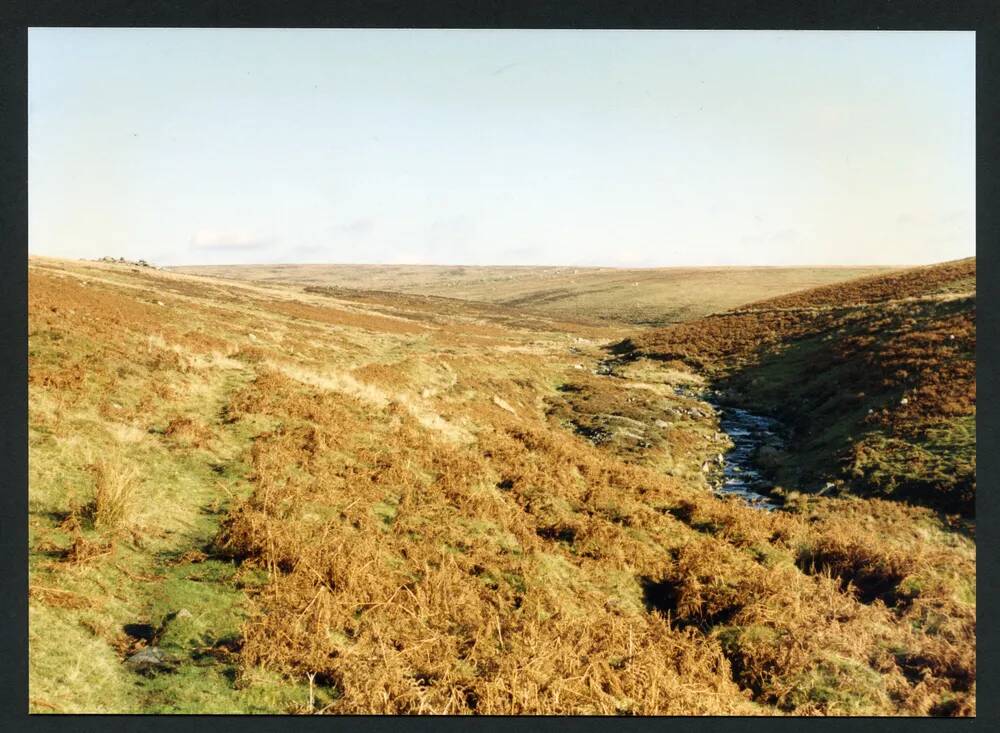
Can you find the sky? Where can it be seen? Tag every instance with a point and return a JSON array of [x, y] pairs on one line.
[[579, 148]]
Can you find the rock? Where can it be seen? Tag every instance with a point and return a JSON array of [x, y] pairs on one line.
[[769, 456], [622, 418], [826, 488], [184, 613], [502, 404], [720, 459], [662, 424], [728, 396], [148, 660]]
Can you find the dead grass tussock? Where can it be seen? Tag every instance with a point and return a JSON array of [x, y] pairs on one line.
[[127, 433], [61, 598], [188, 432], [116, 487]]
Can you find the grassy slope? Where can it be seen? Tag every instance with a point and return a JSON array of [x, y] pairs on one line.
[[392, 505], [875, 377], [638, 296]]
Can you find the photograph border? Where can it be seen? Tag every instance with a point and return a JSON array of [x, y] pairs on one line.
[[982, 17]]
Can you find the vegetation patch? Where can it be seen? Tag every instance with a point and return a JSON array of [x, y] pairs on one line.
[[301, 535]]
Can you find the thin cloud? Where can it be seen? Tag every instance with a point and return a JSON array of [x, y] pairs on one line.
[[358, 226], [212, 239]]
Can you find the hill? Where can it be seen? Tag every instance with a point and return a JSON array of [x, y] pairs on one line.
[[649, 296], [876, 378], [346, 502]]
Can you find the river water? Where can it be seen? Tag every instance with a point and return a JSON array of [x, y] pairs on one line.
[[748, 432], [740, 475]]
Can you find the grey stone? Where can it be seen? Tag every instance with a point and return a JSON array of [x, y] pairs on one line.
[[148, 660], [769, 457]]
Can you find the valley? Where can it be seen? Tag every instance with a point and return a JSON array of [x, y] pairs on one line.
[[602, 295], [416, 490]]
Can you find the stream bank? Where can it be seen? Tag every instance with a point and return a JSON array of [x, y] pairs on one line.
[[737, 472], [754, 441]]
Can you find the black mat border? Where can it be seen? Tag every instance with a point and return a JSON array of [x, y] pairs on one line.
[[983, 17]]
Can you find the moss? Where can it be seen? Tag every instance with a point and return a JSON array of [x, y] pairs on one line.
[[839, 686], [386, 511]]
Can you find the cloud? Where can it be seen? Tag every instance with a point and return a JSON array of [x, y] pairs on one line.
[[231, 239], [358, 226]]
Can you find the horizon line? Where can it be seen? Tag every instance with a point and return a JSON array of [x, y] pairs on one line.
[[847, 265]]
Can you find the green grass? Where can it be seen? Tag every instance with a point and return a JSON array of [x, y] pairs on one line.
[[78, 612], [840, 686], [929, 467]]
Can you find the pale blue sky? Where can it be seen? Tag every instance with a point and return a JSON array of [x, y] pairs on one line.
[[624, 148]]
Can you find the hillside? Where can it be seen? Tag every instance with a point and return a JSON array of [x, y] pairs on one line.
[[876, 378], [649, 296], [338, 501]]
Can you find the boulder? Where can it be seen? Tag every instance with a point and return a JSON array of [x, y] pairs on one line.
[[769, 457], [148, 661]]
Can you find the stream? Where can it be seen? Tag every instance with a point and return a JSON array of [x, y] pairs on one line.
[[740, 475]]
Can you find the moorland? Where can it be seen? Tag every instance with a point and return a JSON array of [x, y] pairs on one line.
[[598, 295], [350, 492]]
